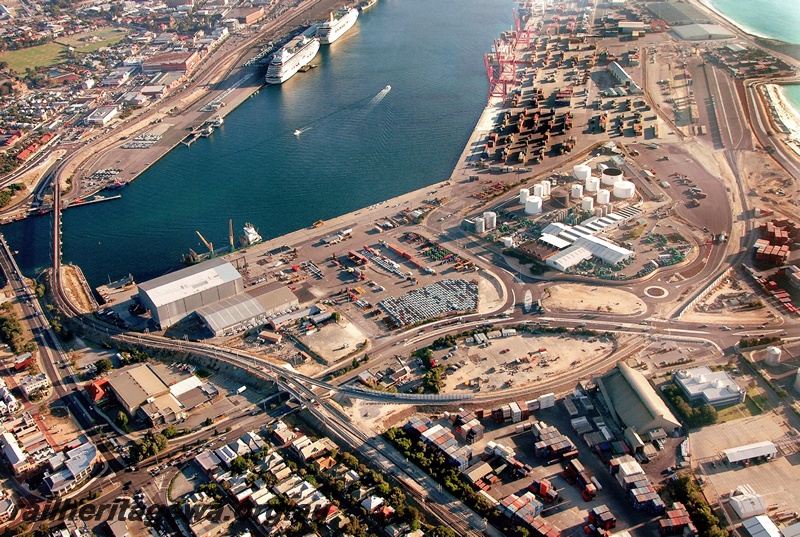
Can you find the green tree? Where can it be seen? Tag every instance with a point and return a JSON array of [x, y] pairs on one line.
[[103, 365], [122, 420], [240, 465]]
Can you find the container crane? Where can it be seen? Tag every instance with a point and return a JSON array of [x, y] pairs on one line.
[[209, 245]]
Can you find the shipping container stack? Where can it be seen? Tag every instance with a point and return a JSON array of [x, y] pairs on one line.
[[632, 478], [525, 510], [467, 427], [600, 517], [550, 443], [777, 237], [676, 522], [576, 474], [441, 439], [519, 411], [544, 490]]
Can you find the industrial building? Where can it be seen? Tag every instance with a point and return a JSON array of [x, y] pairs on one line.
[[758, 451], [102, 115], [171, 61], [232, 314], [761, 526], [635, 401], [746, 502], [173, 297], [700, 32], [713, 388], [578, 243], [134, 387], [623, 78]]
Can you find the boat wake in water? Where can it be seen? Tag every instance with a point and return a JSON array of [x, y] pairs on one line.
[[378, 98], [298, 132]]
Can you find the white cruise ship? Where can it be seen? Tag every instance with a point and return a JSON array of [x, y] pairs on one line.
[[334, 28], [287, 61]]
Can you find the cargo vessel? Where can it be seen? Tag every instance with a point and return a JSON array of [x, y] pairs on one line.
[[335, 27], [250, 235], [289, 59]]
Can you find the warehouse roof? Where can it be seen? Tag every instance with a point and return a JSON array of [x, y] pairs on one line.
[[552, 240], [136, 385], [761, 526], [713, 386], [607, 251], [230, 312], [696, 32], [189, 281], [274, 297], [635, 401], [746, 502], [568, 258], [751, 451]]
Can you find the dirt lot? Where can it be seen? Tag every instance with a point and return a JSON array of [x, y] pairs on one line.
[[75, 290], [334, 341], [518, 360], [713, 308], [573, 297]]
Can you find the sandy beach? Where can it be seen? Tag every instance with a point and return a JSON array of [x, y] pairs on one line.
[[784, 113]]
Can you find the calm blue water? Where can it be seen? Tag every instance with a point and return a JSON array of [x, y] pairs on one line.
[[775, 19], [792, 94], [355, 153]]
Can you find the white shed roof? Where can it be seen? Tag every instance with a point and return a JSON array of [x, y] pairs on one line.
[[605, 250], [568, 258], [552, 240], [189, 281], [751, 451], [747, 503]]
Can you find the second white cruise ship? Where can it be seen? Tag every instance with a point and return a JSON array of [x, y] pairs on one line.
[[288, 60], [335, 27]]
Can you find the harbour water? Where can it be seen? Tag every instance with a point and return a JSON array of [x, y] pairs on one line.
[[359, 145], [774, 19]]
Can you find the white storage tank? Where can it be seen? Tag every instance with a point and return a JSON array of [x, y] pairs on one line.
[[480, 225], [581, 172], [523, 195], [490, 219], [587, 204], [773, 356], [624, 190], [591, 184], [538, 190], [508, 242], [577, 191], [546, 188], [533, 205], [610, 176], [603, 196]]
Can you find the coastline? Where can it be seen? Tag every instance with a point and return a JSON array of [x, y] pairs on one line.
[[782, 113], [786, 116]]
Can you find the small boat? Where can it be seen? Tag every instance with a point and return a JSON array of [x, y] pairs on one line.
[[368, 4]]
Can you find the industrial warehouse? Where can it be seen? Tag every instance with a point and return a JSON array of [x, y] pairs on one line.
[[214, 291]]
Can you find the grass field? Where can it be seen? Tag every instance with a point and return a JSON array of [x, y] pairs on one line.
[[40, 56], [50, 53], [106, 36]]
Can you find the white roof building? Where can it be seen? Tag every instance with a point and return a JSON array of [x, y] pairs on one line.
[[746, 502], [174, 296], [714, 388], [751, 451]]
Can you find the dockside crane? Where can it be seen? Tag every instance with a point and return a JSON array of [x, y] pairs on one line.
[[209, 245]]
